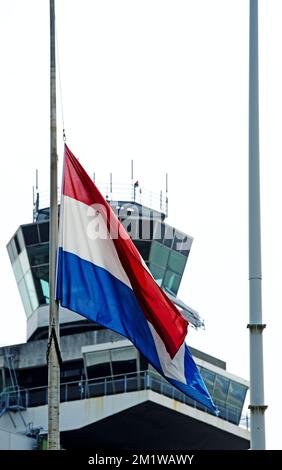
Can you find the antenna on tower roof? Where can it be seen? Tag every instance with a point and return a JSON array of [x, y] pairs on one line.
[[35, 197], [132, 176], [166, 194]]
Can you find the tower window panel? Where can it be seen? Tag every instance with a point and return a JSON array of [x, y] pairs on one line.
[[41, 279], [17, 268], [209, 378], [171, 282], [12, 251], [159, 254], [45, 289], [144, 248], [2, 372], [43, 214], [236, 394], [222, 409], [177, 262], [31, 290], [38, 254], [157, 273], [233, 415], [30, 234], [24, 261], [25, 297], [221, 388], [44, 232]]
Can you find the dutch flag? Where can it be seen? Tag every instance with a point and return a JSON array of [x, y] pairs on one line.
[[102, 276]]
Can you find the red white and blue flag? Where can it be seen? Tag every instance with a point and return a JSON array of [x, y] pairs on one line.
[[102, 276]]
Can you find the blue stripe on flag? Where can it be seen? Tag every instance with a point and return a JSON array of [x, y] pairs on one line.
[[96, 294]]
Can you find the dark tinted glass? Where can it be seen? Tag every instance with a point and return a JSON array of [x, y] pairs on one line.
[[44, 231], [43, 214], [144, 248], [38, 254], [30, 234]]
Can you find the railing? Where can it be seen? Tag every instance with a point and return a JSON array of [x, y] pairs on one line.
[[145, 380], [12, 399], [118, 192]]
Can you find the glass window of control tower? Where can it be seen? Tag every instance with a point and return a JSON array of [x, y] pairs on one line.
[[167, 266]]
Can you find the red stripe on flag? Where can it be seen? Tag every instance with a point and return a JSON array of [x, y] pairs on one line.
[[76, 182], [157, 307]]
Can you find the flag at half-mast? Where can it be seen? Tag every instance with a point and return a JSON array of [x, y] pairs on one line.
[[102, 276]]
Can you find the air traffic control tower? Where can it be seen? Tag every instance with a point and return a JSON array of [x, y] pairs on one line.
[[111, 398]]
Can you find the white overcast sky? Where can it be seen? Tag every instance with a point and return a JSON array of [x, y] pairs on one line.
[[164, 83]]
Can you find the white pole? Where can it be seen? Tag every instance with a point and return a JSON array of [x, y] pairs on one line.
[[257, 407], [53, 344]]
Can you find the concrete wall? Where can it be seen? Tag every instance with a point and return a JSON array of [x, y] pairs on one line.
[[12, 441], [33, 353]]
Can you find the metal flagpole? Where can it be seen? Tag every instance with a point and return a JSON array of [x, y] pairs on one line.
[[53, 352], [257, 407]]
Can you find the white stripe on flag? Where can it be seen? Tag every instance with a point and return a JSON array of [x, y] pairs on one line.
[[86, 236], [172, 368]]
